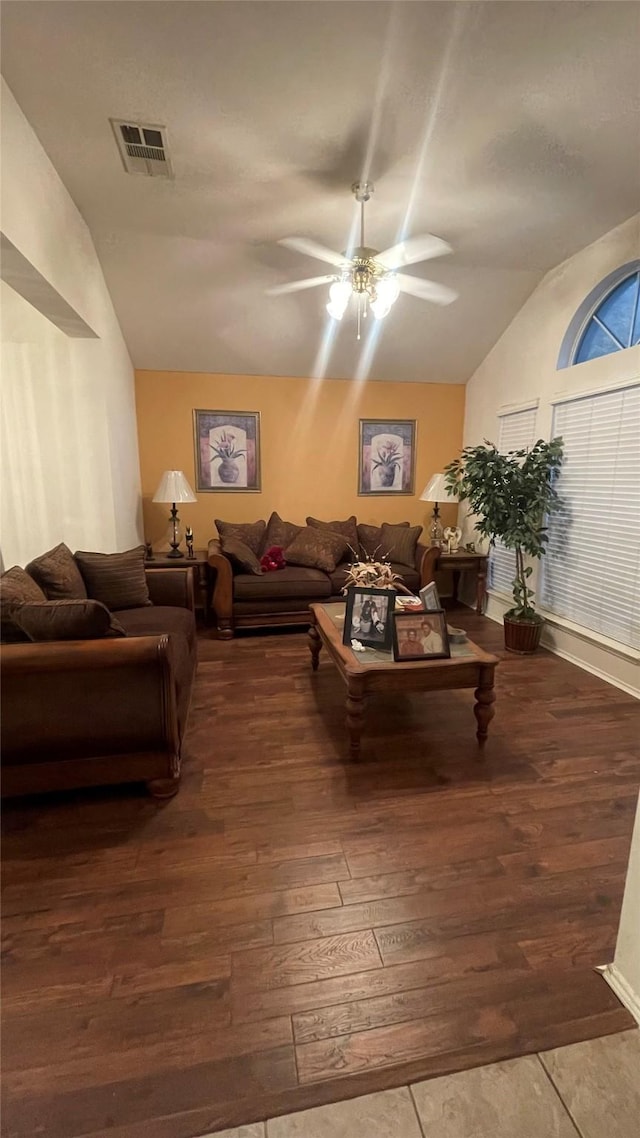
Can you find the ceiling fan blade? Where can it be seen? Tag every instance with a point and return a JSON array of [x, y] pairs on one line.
[[414, 249], [426, 290], [297, 286], [313, 249]]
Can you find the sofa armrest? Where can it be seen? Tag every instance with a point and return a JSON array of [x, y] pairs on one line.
[[89, 698], [222, 589], [426, 561], [172, 587]]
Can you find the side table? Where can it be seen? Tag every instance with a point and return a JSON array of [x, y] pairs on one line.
[[461, 560], [200, 566]]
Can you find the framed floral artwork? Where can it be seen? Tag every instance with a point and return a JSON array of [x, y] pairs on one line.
[[227, 450], [387, 456]]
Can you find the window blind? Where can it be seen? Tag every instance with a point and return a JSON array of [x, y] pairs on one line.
[[517, 430], [591, 573]]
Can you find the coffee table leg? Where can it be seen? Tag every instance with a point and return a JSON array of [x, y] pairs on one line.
[[315, 644], [355, 715], [484, 710]]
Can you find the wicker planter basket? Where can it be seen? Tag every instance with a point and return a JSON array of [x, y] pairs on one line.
[[522, 636]]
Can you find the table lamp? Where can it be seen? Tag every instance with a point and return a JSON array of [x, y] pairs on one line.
[[174, 488], [436, 491]]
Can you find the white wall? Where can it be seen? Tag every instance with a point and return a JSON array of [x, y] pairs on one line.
[[522, 368], [69, 461], [624, 974]]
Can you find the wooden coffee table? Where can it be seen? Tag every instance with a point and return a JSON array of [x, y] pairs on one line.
[[381, 673]]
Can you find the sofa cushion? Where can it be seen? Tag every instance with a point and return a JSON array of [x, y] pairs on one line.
[[116, 579], [66, 620], [408, 573], [294, 581], [58, 575], [240, 555], [279, 532], [316, 549], [251, 533], [370, 540], [180, 626], [16, 588], [399, 543], [347, 528]]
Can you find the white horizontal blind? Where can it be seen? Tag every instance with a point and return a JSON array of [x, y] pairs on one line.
[[591, 573], [517, 431]]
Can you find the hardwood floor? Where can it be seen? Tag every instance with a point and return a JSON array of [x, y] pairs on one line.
[[291, 929]]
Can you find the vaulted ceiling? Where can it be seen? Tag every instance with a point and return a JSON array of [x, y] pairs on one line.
[[509, 129]]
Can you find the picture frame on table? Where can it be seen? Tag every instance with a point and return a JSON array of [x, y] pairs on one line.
[[227, 451], [430, 598], [387, 456], [420, 636], [369, 617]]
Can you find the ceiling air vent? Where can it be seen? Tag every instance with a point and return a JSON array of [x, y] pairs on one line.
[[143, 148]]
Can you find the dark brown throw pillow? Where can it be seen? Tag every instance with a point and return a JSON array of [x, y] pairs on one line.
[[58, 575], [347, 528], [316, 549], [370, 541], [16, 588], [240, 555], [251, 533], [67, 620], [399, 543], [116, 579], [280, 533]]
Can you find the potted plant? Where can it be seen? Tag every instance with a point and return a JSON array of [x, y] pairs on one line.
[[511, 496]]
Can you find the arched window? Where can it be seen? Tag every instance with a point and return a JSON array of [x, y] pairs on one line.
[[607, 321]]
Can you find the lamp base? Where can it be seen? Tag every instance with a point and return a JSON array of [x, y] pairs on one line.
[[175, 553], [436, 532]]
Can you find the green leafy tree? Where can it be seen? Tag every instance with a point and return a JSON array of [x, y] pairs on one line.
[[510, 496]]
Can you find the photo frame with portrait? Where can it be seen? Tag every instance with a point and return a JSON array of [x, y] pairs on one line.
[[369, 617], [429, 597], [420, 636]]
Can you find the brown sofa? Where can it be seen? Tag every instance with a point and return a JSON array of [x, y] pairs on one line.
[[79, 713], [244, 600]]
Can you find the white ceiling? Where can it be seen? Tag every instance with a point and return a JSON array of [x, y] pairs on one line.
[[510, 129]]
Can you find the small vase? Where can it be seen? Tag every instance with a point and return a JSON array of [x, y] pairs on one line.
[[387, 475], [228, 470]]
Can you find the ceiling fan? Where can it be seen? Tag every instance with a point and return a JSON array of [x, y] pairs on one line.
[[371, 277]]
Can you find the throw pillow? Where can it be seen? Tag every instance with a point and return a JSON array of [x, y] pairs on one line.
[[347, 528], [370, 541], [279, 532], [251, 533], [58, 575], [399, 543], [116, 579], [67, 620], [16, 588], [240, 555], [316, 549]]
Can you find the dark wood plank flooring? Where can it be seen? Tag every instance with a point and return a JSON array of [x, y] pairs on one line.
[[291, 929]]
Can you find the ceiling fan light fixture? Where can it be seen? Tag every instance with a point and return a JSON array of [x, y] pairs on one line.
[[339, 295]]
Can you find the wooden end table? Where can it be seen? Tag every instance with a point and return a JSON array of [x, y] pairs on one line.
[[475, 670], [199, 563], [463, 559]]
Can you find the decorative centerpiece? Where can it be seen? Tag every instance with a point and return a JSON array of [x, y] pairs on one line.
[[370, 574]]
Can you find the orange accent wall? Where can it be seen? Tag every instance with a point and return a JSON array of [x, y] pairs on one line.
[[309, 445]]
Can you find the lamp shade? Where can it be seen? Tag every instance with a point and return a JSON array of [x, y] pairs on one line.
[[173, 487], [436, 490]]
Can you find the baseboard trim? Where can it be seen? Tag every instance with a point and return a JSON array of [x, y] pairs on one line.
[[606, 676], [622, 989], [495, 610]]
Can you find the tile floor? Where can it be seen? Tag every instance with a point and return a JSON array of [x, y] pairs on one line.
[[587, 1090]]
